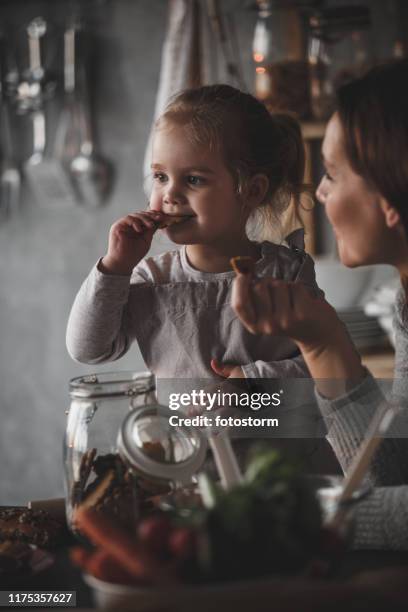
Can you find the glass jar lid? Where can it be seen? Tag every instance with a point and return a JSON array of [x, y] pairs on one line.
[[157, 450], [112, 384]]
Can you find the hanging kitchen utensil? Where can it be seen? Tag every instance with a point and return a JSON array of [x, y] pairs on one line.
[[10, 180], [91, 173], [67, 132], [45, 174], [36, 85]]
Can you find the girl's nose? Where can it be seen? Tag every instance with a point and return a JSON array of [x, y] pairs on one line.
[[172, 194]]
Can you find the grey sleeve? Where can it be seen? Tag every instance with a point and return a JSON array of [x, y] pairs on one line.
[[381, 520], [294, 367], [347, 419], [401, 345], [98, 326]]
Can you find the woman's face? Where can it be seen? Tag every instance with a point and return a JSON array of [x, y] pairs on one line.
[[353, 207]]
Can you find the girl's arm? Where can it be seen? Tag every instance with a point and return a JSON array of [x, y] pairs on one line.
[[99, 325]]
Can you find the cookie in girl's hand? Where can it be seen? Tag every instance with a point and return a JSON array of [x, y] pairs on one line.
[[243, 265], [171, 220]]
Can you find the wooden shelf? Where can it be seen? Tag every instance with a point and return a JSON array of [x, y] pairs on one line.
[[313, 130]]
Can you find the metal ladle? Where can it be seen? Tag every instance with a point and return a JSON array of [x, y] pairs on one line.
[[10, 180], [90, 172]]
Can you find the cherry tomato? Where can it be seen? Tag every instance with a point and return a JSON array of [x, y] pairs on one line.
[[154, 533], [182, 542]]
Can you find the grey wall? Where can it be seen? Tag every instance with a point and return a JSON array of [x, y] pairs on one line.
[[45, 255]]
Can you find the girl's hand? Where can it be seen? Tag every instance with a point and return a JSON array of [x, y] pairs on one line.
[[227, 370], [129, 241]]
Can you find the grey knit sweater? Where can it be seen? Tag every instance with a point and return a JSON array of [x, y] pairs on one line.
[[382, 518]]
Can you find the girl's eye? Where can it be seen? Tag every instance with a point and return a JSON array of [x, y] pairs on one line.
[[159, 176], [327, 176], [195, 180]]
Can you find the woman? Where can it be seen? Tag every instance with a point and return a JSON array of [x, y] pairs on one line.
[[365, 194]]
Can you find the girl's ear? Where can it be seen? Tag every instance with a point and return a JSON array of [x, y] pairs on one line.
[[391, 214], [256, 190]]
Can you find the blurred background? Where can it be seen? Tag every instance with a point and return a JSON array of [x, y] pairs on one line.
[[80, 85]]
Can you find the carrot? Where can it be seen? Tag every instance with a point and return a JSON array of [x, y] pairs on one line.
[[103, 566], [131, 556], [80, 556]]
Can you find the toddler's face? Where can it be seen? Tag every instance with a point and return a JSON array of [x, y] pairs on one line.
[[191, 181]]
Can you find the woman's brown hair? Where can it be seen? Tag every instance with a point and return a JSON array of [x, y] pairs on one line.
[[250, 139], [373, 112]]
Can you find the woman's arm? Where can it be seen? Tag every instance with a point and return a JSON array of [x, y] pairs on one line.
[[347, 394], [381, 520]]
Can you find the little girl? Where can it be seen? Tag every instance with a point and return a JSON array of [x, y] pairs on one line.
[[219, 161]]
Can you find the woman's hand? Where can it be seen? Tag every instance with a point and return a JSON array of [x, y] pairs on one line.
[[290, 309], [280, 308], [129, 241]]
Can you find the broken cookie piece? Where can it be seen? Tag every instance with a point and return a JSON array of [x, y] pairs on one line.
[[30, 527], [243, 265]]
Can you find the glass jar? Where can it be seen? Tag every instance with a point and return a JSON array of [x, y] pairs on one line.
[[120, 450], [339, 51], [94, 470], [328, 489], [279, 54]]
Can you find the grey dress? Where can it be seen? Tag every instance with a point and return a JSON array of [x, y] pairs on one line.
[[181, 318]]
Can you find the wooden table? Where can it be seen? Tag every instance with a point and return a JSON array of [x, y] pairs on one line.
[[64, 576], [380, 362]]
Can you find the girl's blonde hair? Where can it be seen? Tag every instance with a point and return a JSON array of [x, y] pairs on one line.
[[251, 141]]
